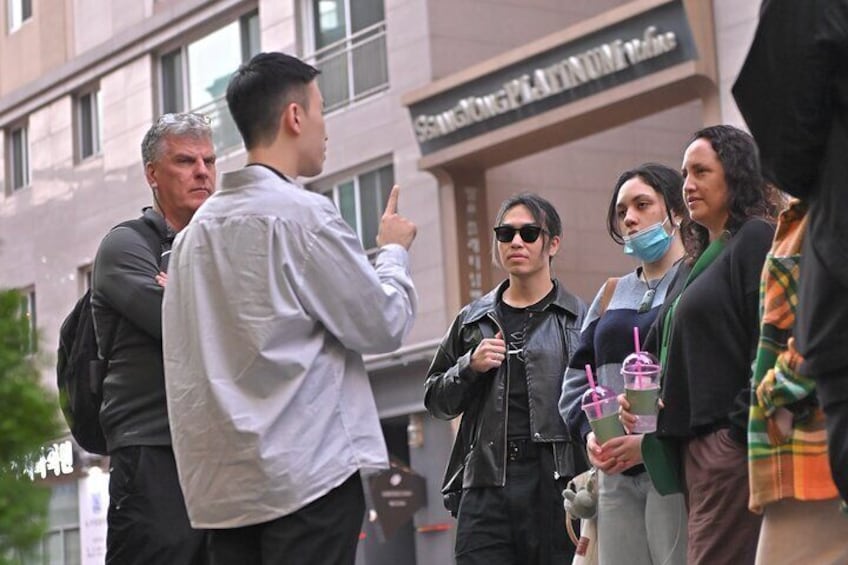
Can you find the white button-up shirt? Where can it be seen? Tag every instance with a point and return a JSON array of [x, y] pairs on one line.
[[270, 303]]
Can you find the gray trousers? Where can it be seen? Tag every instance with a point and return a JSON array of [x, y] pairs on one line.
[[637, 525]]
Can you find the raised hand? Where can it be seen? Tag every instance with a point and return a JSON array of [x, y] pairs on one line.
[[394, 228]]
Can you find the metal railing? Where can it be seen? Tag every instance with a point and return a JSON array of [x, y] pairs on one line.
[[352, 68], [225, 134]]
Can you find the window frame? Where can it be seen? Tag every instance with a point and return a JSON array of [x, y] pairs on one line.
[[11, 24], [12, 164], [93, 94], [329, 187], [29, 309], [85, 276], [57, 529], [181, 50], [225, 135], [309, 39]]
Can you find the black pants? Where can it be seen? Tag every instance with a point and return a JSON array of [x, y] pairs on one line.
[[147, 518], [836, 420], [324, 532], [522, 523]]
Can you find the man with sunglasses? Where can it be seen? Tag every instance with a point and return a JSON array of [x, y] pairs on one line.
[[500, 367]]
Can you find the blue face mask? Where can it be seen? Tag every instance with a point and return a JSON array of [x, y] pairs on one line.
[[650, 244]]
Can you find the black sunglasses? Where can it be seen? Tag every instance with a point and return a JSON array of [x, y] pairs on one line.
[[528, 232]]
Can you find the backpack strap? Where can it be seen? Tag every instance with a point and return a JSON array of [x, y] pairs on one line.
[[148, 231], [609, 290], [155, 242]]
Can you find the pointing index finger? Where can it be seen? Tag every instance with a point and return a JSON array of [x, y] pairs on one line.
[[392, 203]]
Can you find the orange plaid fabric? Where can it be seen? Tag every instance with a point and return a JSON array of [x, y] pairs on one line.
[[787, 442]]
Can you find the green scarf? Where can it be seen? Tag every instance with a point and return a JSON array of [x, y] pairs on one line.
[[662, 455]]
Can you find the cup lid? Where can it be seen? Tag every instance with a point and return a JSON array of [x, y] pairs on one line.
[[598, 395], [641, 362]]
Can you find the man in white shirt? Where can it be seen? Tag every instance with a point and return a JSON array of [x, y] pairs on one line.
[[270, 304]]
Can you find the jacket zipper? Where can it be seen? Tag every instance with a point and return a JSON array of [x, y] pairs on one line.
[[505, 400]]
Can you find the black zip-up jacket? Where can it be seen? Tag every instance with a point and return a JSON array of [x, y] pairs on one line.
[[127, 308], [452, 388]]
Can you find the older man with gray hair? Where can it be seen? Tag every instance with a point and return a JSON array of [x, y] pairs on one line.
[[147, 520]]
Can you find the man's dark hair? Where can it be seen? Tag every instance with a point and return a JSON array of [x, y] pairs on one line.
[[259, 90], [543, 213], [665, 181]]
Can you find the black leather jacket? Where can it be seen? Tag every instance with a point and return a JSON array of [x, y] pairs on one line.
[[452, 388]]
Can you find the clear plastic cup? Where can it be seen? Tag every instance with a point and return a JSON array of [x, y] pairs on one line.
[[601, 408], [641, 372]]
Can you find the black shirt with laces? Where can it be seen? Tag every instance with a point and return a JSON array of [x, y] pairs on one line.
[[514, 322]]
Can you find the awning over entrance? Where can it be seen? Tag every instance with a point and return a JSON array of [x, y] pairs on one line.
[[624, 64]]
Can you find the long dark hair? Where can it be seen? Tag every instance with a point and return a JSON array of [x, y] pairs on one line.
[[748, 195], [665, 181]]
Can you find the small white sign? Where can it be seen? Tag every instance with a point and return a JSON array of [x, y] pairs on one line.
[[93, 505]]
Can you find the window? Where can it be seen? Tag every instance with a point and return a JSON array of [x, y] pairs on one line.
[[361, 201], [87, 121], [18, 157], [61, 542], [28, 312], [18, 11], [349, 39], [194, 77], [84, 275]]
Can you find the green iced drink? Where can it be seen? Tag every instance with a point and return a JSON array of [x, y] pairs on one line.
[[643, 403], [606, 427]]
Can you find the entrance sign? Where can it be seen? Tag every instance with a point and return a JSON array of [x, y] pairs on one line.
[[636, 47], [396, 495]]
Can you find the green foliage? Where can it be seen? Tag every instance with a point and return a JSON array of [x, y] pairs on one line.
[[28, 420]]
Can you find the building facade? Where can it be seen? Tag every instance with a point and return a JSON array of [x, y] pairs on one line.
[[461, 102]]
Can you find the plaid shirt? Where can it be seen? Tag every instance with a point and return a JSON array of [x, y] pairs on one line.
[[789, 460]]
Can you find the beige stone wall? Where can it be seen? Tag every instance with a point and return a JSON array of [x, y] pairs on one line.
[[97, 21], [42, 43], [465, 32], [278, 26], [736, 21]]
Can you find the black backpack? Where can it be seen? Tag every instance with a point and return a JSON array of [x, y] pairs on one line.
[[79, 369]]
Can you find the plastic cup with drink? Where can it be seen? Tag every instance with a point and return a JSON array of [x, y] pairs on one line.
[[642, 372], [601, 408]]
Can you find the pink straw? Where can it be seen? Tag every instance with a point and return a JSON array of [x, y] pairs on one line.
[[595, 400], [640, 382]]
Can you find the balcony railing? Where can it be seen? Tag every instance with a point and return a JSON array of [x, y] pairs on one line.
[[352, 68], [225, 134]]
